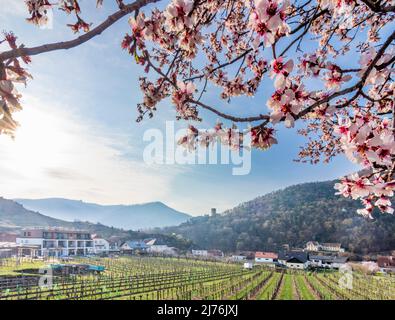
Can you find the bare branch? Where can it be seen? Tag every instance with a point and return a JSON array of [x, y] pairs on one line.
[[126, 9]]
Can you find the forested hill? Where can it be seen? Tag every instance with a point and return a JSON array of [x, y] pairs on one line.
[[293, 216]]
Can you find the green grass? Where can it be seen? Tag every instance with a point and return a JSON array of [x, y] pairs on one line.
[[304, 291], [11, 268], [269, 287], [286, 292]]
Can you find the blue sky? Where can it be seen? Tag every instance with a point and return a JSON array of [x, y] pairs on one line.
[[79, 138]]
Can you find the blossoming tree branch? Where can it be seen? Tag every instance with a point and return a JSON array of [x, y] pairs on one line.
[[192, 45]]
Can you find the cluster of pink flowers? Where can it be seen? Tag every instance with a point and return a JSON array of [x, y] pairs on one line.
[[280, 70], [369, 141], [286, 102], [230, 137], [334, 78], [339, 7], [311, 65], [375, 76], [11, 74], [38, 10], [178, 15], [268, 21], [374, 193], [262, 138], [181, 98]]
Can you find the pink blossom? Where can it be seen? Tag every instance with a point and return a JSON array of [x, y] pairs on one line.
[[384, 204], [281, 71], [335, 78], [177, 14]]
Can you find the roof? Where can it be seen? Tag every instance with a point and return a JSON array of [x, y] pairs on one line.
[[266, 255], [289, 255], [385, 261], [315, 243], [334, 259], [8, 245], [55, 229], [296, 260], [215, 252], [150, 241], [338, 245], [136, 244]]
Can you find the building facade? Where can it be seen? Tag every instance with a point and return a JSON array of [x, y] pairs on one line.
[[312, 246], [265, 257], [57, 242], [324, 247], [162, 249], [329, 262], [202, 253], [100, 245], [293, 259]]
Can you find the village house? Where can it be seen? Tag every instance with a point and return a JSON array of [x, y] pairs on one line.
[[314, 246], [134, 246], [100, 245], [8, 249], [293, 259], [328, 262], [200, 253], [265, 257], [386, 263], [331, 247], [215, 253], [238, 258], [162, 249]]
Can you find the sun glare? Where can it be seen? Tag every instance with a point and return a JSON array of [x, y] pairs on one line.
[[41, 141]]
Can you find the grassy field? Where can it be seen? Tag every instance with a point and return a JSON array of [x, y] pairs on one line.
[[141, 278]]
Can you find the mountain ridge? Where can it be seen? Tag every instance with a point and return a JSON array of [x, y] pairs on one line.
[[14, 217], [135, 217]]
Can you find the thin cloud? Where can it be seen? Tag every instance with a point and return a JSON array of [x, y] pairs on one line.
[[15, 8], [56, 154]]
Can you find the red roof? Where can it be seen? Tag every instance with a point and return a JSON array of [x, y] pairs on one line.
[[266, 255]]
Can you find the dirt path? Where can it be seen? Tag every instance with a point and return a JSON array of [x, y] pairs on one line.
[[277, 290]]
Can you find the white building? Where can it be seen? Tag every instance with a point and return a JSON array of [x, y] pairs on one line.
[[265, 257], [293, 259], [331, 247], [162, 249], [328, 247], [100, 245], [238, 258], [56, 241], [312, 246], [202, 253], [329, 262], [296, 263]]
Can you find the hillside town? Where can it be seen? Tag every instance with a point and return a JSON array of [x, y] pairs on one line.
[[41, 243]]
